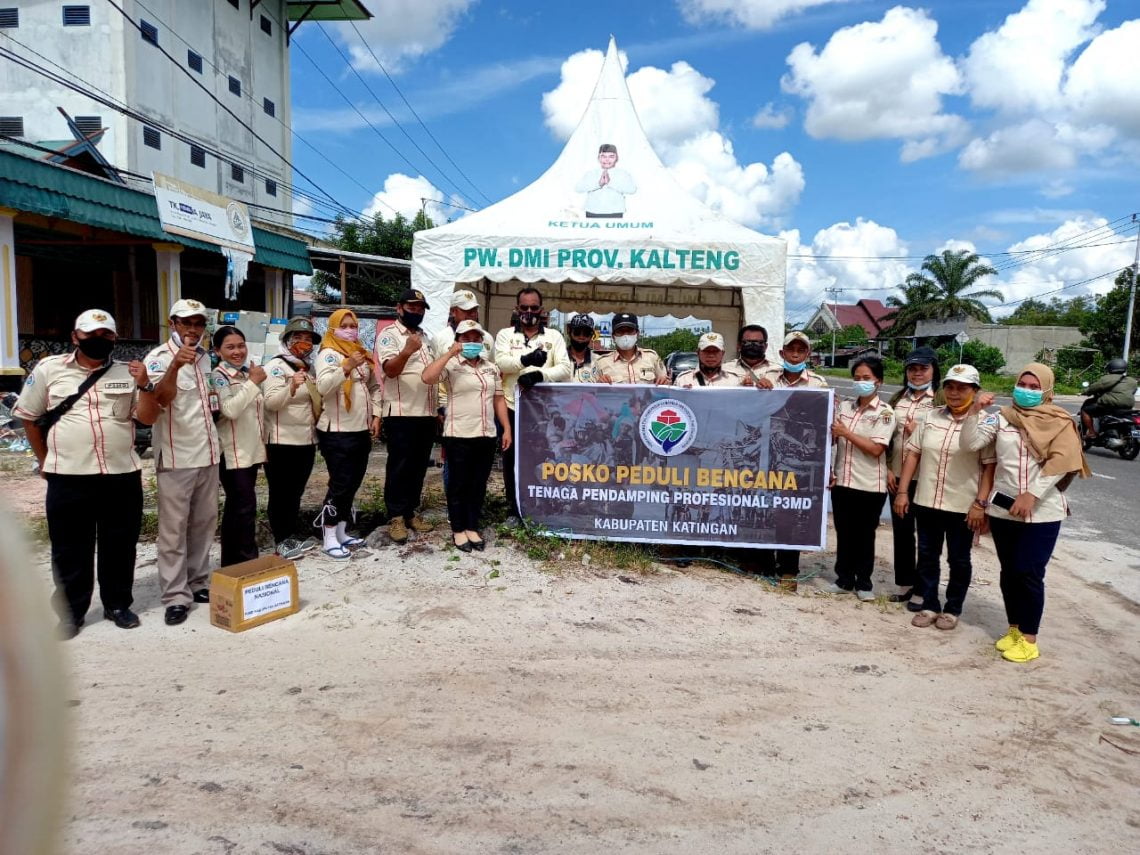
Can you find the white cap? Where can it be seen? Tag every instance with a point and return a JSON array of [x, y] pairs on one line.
[[964, 374], [467, 326], [464, 300], [711, 339], [187, 309], [796, 335], [95, 319]]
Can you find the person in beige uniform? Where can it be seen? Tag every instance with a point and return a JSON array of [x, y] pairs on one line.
[[469, 432], [953, 485], [186, 454], [85, 449], [711, 370], [919, 394], [628, 363], [862, 431], [350, 395], [751, 356], [292, 405], [583, 362], [238, 386], [1038, 452], [527, 353], [464, 307]]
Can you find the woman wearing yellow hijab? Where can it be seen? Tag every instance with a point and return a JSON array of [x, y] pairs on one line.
[[1038, 454], [350, 394]]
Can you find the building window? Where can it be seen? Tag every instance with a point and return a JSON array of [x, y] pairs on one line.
[[151, 137], [270, 108], [77, 16], [194, 60], [235, 86], [198, 156], [148, 31], [266, 26], [89, 125], [237, 173], [9, 18], [12, 126], [270, 187]]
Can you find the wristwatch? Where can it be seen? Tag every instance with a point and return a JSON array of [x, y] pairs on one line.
[[981, 503], [149, 387]]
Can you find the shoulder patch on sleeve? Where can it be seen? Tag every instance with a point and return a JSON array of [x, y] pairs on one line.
[[331, 359], [31, 381], [990, 419], [154, 365], [277, 372], [219, 380]]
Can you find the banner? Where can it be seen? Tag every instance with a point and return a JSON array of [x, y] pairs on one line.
[[715, 466], [194, 212]]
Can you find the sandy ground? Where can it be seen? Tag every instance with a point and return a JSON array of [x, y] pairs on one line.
[[419, 703]]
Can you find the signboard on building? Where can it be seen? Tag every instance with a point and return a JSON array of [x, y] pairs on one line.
[[716, 466], [191, 211]]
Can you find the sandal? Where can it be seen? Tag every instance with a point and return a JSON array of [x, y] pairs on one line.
[[945, 621], [337, 552], [352, 542]]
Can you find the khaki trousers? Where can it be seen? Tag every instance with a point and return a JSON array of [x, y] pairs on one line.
[[187, 519]]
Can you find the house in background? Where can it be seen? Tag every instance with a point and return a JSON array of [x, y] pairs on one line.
[[869, 314]]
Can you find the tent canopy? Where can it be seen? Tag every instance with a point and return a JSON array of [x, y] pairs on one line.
[[603, 234]]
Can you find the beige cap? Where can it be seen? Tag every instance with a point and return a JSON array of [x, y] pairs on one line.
[[466, 327], [964, 374], [464, 300], [711, 339], [187, 309], [96, 319], [796, 335]]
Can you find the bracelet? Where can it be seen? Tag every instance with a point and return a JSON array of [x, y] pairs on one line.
[[981, 504]]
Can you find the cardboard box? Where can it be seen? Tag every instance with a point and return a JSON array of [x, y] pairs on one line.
[[249, 594]]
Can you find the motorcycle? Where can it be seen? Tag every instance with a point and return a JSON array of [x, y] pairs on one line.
[[1119, 432]]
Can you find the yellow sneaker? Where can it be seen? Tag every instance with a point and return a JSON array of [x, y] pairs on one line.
[[421, 525], [1008, 640], [1022, 651]]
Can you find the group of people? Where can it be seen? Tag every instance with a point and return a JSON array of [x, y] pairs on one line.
[[932, 447]]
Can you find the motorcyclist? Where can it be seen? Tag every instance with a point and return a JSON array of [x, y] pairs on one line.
[[1112, 393]]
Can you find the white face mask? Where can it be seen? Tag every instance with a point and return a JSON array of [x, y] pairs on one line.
[[625, 342]]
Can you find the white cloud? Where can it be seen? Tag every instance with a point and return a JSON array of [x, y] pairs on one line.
[[404, 195], [754, 14], [1102, 85], [1034, 145], [682, 124], [769, 116], [402, 30], [880, 80]]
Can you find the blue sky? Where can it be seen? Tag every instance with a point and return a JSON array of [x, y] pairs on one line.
[[850, 127]]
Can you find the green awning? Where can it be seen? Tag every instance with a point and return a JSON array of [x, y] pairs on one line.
[[327, 10], [55, 191]]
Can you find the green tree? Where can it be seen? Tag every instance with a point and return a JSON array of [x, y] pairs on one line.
[[986, 358], [377, 236], [666, 344], [916, 304], [1104, 326], [1057, 312], [953, 274]]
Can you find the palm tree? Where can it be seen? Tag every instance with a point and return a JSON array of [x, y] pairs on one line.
[[952, 273], [917, 303]]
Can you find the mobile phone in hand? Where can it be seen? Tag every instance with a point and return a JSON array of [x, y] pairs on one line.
[[1003, 501]]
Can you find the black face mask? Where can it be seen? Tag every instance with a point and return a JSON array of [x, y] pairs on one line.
[[753, 349], [579, 346], [96, 347], [528, 319], [412, 320]]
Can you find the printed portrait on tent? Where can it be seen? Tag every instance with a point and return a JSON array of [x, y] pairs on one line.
[[606, 185]]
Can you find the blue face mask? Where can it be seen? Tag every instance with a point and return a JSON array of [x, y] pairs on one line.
[[1027, 397], [793, 367], [472, 349], [918, 387], [864, 387]]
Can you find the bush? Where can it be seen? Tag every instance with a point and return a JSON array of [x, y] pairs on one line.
[[986, 358]]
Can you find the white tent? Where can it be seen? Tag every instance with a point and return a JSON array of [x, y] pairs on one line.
[[641, 244]]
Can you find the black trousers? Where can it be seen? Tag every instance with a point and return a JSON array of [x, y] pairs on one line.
[[346, 456], [778, 562], [410, 439], [287, 470], [1024, 550], [856, 516], [935, 528], [510, 458], [905, 543], [239, 515], [85, 512], [469, 466]]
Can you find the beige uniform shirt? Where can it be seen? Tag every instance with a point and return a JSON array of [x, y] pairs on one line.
[[645, 367], [587, 372], [471, 408], [727, 376], [184, 436], [948, 474], [1018, 471], [336, 415], [442, 342], [852, 466], [96, 436], [911, 405], [807, 379], [406, 394], [239, 428], [757, 371], [511, 345], [288, 418]]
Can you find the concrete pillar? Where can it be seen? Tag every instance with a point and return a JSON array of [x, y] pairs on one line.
[[9, 332], [275, 298], [169, 260]]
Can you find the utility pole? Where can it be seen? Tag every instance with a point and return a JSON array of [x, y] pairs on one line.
[[834, 292], [1132, 296]]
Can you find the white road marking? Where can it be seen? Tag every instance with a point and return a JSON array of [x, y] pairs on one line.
[[1106, 477]]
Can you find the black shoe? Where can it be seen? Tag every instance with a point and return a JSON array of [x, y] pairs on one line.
[[477, 545], [901, 598], [202, 596], [176, 614], [69, 629], [462, 547], [123, 618], [914, 605]]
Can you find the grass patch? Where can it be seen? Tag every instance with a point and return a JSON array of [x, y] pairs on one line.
[[556, 553]]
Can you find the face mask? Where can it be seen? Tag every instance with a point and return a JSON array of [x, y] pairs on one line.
[[793, 367], [864, 388], [347, 334], [965, 406], [528, 319], [472, 349], [752, 350], [96, 347], [412, 320], [918, 387], [301, 348], [579, 346], [1027, 397], [625, 342]]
